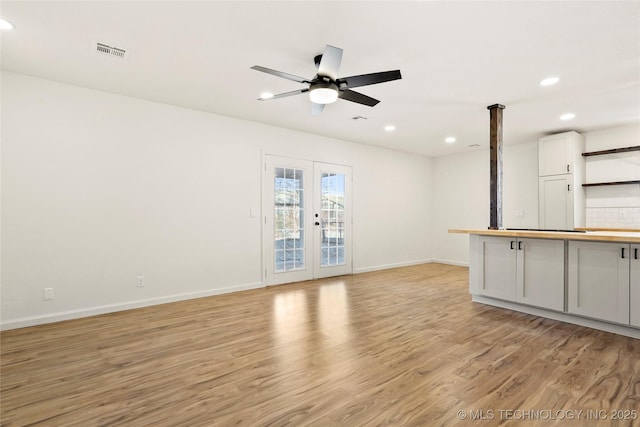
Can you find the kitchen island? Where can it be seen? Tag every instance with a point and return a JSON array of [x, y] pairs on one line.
[[589, 278]]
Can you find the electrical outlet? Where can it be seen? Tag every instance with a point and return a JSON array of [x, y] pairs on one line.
[[47, 294], [140, 281]]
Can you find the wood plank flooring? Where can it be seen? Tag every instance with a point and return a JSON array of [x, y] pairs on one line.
[[396, 347]]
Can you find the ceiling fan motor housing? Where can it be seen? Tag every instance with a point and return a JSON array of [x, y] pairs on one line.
[[325, 83]]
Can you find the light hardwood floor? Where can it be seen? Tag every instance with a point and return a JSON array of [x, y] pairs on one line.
[[396, 347]]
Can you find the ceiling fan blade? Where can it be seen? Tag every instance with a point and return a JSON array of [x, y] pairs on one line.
[[353, 96], [285, 94], [280, 74], [330, 62], [316, 108], [370, 79]]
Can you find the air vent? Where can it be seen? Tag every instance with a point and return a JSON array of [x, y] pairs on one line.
[[110, 50]]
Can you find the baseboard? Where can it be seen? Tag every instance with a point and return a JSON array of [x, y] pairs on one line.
[[450, 262], [111, 308], [388, 266], [562, 317]]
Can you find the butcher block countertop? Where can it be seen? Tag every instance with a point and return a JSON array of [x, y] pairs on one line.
[[601, 236]]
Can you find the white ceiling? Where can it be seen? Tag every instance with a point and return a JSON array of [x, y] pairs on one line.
[[456, 59]]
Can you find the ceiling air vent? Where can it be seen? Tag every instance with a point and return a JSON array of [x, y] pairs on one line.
[[110, 50]]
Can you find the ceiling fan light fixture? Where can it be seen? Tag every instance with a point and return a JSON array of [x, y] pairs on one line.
[[323, 93]]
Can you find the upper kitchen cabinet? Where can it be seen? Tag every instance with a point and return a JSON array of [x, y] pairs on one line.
[[561, 200], [561, 154]]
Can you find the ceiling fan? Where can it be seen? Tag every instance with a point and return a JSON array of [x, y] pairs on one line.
[[325, 87]]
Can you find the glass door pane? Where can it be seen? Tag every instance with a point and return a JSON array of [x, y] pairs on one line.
[[332, 219], [288, 205]]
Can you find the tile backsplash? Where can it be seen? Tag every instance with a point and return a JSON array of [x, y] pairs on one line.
[[613, 218]]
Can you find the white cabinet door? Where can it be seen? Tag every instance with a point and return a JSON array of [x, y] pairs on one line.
[[554, 155], [634, 291], [556, 202], [540, 273], [560, 154], [497, 267], [598, 280]]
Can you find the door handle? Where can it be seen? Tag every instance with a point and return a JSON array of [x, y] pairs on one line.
[[635, 253], [511, 245], [317, 223], [519, 245], [622, 253], [568, 169]]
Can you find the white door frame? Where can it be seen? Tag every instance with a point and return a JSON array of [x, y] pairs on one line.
[[312, 233]]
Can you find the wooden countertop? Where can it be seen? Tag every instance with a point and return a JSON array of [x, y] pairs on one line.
[[626, 230], [601, 236]]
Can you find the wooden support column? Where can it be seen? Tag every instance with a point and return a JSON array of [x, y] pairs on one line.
[[495, 169]]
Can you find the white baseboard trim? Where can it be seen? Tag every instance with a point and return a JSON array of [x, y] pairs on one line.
[[562, 317], [388, 266], [451, 262], [111, 308]]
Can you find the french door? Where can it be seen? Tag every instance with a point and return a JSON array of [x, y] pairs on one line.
[[307, 220]]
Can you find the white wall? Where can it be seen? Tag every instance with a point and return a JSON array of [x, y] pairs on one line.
[[460, 200], [613, 206], [99, 188], [461, 196]]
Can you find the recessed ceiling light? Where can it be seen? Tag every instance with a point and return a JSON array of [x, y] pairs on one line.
[[266, 95], [450, 140], [567, 116], [549, 81], [389, 128], [6, 25]]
